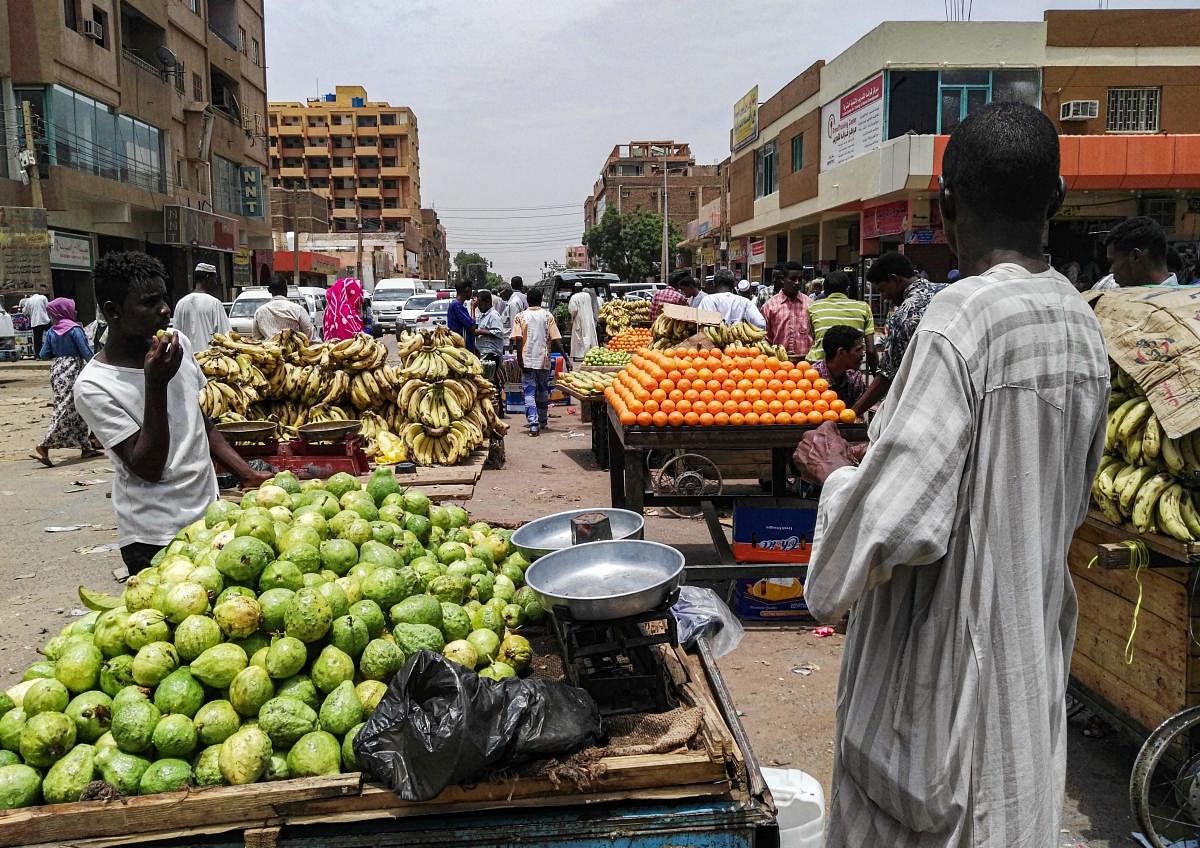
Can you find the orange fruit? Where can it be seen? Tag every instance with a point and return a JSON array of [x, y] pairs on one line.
[[783, 418], [658, 394], [721, 395], [830, 415], [713, 385], [729, 384], [720, 373], [752, 418], [753, 394], [706, 419], [627, 418], [692, 373], [738, 395], [775, 385], [675, 395], [660, 419], [804, 385], [674, 376], [789, 384], [667, 406], [684, 406], [721, 419], [837, 405], [737, 419], [760, 384], [650, 406], [691, 394], [848, 416], [645, 419], [775, 407], [813, 395], [821, 405], [769, 395], [730, 407], [683, 384], [745, 384], [691, 419], [760, 406], [666, 385], [815, 417], [704, 374], [736, 373], [745, 407], [828, 395], [790, 405], [820, 384], [805, 407], [635, 406], [766, 418], [812, 375], [675, 419], [803, 365], [707, 396]]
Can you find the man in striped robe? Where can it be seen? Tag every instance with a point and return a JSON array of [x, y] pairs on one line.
[[950, 539]]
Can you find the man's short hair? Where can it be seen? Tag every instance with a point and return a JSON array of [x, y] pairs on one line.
[[518, 284], [836, 281], [484, 297], [723, 279], [1174, 260], [1002, 162], [680, 277], [793, 265], [890, 264], [463, 287], [839, 337], [534, 297], [1139, 233], [116, 273], [278, 288]]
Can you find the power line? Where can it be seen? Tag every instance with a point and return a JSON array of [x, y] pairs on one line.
[[508, 217], [507, 208]]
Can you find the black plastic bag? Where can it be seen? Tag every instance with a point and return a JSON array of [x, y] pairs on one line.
[[441, 724]]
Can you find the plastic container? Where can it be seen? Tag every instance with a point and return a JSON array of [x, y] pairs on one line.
[[801, 804]]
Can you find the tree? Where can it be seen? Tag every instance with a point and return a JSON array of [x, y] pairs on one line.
[[629, 245], [463, 262]]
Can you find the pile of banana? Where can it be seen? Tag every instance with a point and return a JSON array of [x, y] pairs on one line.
[[1144, 475], [669, 332], [235, 382], [619, 315]]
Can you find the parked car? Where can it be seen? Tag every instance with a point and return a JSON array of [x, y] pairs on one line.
[[227, 305], [390, 295], [241, 315], [434, 315], [413, 307]]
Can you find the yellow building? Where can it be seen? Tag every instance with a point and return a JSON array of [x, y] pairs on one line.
[[360, 155]]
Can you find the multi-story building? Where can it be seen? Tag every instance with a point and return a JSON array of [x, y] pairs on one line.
[[632, 178], [149, 122], [843, 162], [435, 258], [361, 155], [577, 256]]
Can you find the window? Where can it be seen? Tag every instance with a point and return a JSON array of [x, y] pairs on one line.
[[1161, 209], [71, 14], [255, 52], [194, 5], [101, 18], [226, 194], [930, 102], [197, 87], [797, 153], [1133, 109], [177, 72], [766, 174], [86, 135], [242, 40]]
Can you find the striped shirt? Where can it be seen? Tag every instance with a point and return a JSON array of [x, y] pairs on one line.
[[788, 324], [667, 295], [950, 542], [837, 310]]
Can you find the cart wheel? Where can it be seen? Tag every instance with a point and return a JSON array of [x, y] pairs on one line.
[[1164, 788], [690, 475]]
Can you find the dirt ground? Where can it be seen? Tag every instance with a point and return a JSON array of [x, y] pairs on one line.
[[783, 678]]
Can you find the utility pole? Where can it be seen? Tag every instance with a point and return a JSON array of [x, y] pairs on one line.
[[295, 239], [665, 261], [30, 157], [358, 261]]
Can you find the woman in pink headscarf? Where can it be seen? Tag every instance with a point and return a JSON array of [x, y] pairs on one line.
[[67, 345], [343, 310]]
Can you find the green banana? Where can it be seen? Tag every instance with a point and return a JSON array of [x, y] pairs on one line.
[[1171, 454], [1110, 510], [1133, 447], [1151, 439], [1116, 399], [1134, 419], [1187, 510], [1133, 484], [1119, 479], [1105, 480], [1146, 499], [1169, 518], [1114, 422]]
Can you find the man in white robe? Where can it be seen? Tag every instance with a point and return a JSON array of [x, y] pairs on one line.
[[583, 322], [948, 543]]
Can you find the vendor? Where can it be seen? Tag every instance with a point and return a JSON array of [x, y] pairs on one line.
[[1137, 249], [140, 397], [844, 348], [733, 307]]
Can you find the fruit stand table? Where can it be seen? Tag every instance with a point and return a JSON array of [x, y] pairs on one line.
[[592, 411]]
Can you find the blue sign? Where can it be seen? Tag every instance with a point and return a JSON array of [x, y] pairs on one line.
[[250, 187]]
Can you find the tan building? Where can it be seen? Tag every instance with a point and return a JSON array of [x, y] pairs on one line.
[[577, 256], [359, 154], [149, 122], [632, 178], [435, 258]]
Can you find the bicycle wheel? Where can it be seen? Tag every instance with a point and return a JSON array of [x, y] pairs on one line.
[[1164, 788]]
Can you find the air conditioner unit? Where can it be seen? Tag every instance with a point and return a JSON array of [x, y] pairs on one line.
[[92, 29], [1079, 110]]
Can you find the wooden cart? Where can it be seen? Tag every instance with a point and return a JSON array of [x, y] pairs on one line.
[[1164, 676]]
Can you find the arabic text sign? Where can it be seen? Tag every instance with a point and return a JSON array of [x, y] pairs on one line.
[[24, 251], [852, 124], [745, 120]]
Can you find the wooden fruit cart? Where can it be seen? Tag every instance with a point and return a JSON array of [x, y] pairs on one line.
[[1164, 675], [710, 793]]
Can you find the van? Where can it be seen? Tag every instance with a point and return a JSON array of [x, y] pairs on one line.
[[389, 296]]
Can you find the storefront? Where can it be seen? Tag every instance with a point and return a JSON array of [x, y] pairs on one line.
[[71, 262]]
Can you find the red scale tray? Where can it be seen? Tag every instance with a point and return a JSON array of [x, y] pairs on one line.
[[308, 460]]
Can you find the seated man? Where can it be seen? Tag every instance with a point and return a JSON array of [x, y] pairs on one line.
[[844, 348]]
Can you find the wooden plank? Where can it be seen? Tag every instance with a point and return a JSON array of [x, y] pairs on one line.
[[1173, 548], [438, 494], [1144, 710], [208, 808], [702, 439], [1162, 594], [1147, 674], [436, 475], [1156, 637]]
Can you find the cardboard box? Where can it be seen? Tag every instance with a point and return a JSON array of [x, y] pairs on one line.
[[702, 317], [780, 530], [771, 599]]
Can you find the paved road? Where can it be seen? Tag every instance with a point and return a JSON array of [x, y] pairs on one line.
[[788, 716]]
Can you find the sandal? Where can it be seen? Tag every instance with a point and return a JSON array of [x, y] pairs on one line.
[[90, 453], [42, 455]]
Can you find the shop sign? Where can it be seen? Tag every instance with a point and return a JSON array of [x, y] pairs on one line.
[[852, 124], [886, 220], [24, 251], [737, 250], [250, 183], [745, 120], [693, 230], [70, 252], [241, 267], [710, 216], [925, 236], [708, 255], [183, 225], [758, 251]]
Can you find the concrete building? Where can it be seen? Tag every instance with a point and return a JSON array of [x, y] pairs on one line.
[[577, 256], [632, 178], [843, 162], [363, 156], [149, 124], [435, 258]]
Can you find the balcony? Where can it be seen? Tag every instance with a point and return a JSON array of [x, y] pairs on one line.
[[366, 149], [393, 129], [273, 151], [344, 171], [318, 172], [341, 129], [291, 173], [368, 172], [393, 171], [345, 213], [294, 130], [345, 193], [316, 150], [396, 213], [369, 192], [143, 67]]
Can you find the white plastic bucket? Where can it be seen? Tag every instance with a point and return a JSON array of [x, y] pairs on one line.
[[801, 804]]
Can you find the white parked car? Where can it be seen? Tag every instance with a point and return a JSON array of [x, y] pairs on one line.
[[413, 307], [434, 315], [241, 315]]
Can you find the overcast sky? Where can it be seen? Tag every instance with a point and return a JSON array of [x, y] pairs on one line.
[[519, 102]]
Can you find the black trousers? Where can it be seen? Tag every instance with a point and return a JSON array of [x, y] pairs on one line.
[[137, 556], [39, 333]]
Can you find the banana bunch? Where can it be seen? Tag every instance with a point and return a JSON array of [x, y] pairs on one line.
[[437, 404], [216, 399], [438, 363], [371, 389], [740, 334], [359, 353], [327, 412], [217, 365], [443, 445], [263, 354], [619, 315], [669, 332]]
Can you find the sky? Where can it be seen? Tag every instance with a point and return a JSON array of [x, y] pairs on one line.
[[519, 102]]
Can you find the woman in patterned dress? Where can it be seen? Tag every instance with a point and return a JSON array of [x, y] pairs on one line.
[[343, 310], [67, 345]]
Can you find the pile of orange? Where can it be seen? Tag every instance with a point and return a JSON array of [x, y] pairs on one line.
[[737, 386], [630, 340]]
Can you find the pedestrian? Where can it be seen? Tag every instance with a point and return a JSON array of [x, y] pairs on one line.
[[200, 314], [343, 310], [1137, 251], [733, 307], [892, 274], [841, 361], [583, 322], [835, 309], [490, 340], [281, 313], [140, 396], [67, 345], [786, 314], [670, 293], [458, 317], [500, 304], [34, 308], [517, 302], [535, 334], [951, 726]]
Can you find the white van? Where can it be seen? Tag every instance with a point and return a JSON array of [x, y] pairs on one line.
[[241, 315], [389, 296]]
